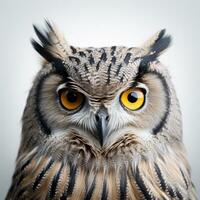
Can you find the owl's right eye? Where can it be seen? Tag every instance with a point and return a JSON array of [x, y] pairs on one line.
[[70, 99]]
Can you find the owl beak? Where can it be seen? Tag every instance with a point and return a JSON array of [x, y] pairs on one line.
[[102, 122]]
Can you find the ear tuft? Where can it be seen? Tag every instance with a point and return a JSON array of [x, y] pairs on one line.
[[52, 44], [157, 43]]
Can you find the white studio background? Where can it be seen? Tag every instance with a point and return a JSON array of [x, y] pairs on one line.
[[97, 23]]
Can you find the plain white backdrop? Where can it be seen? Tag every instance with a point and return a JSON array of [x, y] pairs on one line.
[[97, 23]]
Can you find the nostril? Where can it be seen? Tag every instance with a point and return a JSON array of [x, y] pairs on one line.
[[98, 117]]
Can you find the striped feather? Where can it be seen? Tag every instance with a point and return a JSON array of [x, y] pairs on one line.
[[101, 177]]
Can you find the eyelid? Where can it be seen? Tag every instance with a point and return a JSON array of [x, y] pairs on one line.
[[142, 86], [60, 87]]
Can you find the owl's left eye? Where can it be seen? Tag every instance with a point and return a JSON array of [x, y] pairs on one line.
[[70, 99], [133, 98]]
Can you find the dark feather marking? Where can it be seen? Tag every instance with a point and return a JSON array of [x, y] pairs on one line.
[[59, 67], [142, 186], [122, 78], [127, 58], [72, 178], [134, 84], [89, 50], [161, 43], [86, 68], [103, 57], [88, 194], [76, 70], [41, 174], [170, 190], [162, 181], [43, 38], [113, 48], [113, 60], [109, 71], [98, 65], [42, 51], [55, 182], [82, 54], [179, 195], [73, 58], [91, 59], [104, 195], [142, 69], [118, 69], [145, 60], [123, 184], [186, 183], [161, 34], [49, 26], [73, 49]]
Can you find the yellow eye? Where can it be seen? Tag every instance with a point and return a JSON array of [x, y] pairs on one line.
[[70, 99], [133, 98]]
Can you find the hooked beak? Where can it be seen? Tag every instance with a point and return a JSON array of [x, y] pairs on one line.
[[102, 122]]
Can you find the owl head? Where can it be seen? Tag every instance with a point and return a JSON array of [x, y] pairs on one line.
[[100, 95]]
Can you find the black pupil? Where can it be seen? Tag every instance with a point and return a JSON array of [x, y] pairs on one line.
[[133, 97], [72, 97]]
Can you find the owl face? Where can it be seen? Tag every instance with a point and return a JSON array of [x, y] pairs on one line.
[[101, 93]]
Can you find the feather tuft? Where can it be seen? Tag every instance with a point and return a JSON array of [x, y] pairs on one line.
[[52, 44], [158, 43]]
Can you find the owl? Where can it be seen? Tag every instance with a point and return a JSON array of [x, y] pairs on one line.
[[101, 123]]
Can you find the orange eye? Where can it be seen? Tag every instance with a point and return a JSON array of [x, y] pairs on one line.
[[133, 98], [70, 99]]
